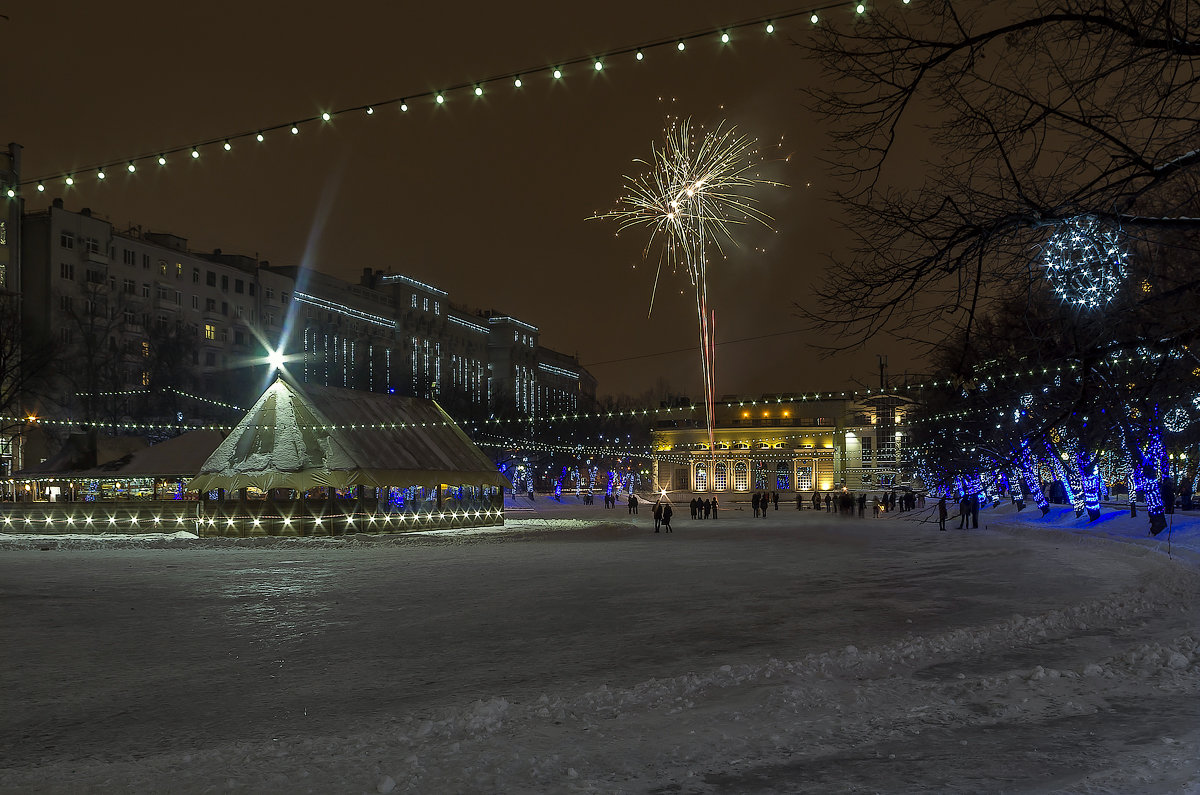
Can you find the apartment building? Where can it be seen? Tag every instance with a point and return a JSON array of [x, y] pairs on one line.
[[139, 325]]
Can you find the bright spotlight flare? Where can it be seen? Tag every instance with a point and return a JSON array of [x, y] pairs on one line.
[[696, 188]]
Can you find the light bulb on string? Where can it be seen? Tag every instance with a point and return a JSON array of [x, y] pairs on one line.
[[227, 145], [370, 111], [404, 106], [557, 74], [680, 46], [12, 194], [69, 180], [599, 66], [725, 37], [814, 19], [517, 81], [860, 8], [41, 188], [295, 130], [259, 137], [639, 55], [440, 99], [162, 161], [478, 90], [325, 116], [770, 27], [99, 173], [195, 153]]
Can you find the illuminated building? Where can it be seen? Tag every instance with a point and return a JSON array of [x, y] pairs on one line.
[[133, 314], [786, 443]]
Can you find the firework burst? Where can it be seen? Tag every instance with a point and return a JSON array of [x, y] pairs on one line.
[[696, 189]]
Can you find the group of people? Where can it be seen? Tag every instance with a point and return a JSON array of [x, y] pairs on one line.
[[662, 516], [763, 501], [704, 509]]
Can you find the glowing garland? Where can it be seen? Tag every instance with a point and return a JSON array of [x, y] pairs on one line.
[[473, 89]]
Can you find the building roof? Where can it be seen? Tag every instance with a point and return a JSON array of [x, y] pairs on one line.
[[127, 456], [303, 436]]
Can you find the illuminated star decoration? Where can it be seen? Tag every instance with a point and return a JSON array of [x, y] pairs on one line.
[[1084, 262], [694, 190]]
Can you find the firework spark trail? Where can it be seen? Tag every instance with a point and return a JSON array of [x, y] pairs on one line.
[[693, 192]]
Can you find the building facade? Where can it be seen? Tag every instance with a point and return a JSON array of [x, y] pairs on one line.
[[141, 326], [785, 443]]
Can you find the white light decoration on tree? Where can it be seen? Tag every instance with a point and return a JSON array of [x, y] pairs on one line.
[[1176, 420], [1085, 262]]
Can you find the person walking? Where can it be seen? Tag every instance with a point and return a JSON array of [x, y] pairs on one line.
[[658, 513], [974, 506], [862, 505], [775, 499], [964, 511], [875, 507], [754, 501], [707, 507], [942, 513], [666, 517], [828, 502], [799, 501], [714, 509], [695, 506]]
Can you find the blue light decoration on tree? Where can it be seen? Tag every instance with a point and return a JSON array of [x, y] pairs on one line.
[[612, 480], [559, 484], [1090, 474], [1060, 474], [1084, 262], [1029, 475]]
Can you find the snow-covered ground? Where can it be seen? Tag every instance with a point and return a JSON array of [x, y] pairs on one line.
[[576, 651]]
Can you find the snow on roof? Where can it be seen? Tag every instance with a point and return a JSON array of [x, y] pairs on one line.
[[301, 436]]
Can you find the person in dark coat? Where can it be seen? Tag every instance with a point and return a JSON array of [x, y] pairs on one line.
[[942, 514], [828, 502], [862, 505], [707, 507], [816, 500], [714, 509], [775, 499], [799, 501], [754, 502], [964, 511], [695, 506], [658, 512], [666, 517]]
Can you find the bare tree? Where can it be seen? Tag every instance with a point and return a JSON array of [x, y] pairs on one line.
[[1028, 114]]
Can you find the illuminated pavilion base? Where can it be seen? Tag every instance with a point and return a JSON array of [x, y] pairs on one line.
[[231, 519]]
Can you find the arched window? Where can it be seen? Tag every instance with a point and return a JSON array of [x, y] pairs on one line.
[[783, 471], [701, 477], [719, 476], [804, 475], [759, 474], [740, 481]]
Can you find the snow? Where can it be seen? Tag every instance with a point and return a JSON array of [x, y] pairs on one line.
[[575, 651]]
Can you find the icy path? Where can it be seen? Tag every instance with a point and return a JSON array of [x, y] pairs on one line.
[[797, 653]]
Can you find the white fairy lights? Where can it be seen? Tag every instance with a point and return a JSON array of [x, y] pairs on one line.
[[1084, 262], [598, 62]]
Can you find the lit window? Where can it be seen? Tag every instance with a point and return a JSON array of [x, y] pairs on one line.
[[210, 331]]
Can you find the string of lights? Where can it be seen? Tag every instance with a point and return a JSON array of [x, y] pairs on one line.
[[514, 80]]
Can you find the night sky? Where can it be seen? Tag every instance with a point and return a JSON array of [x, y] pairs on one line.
[[488, 198]]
